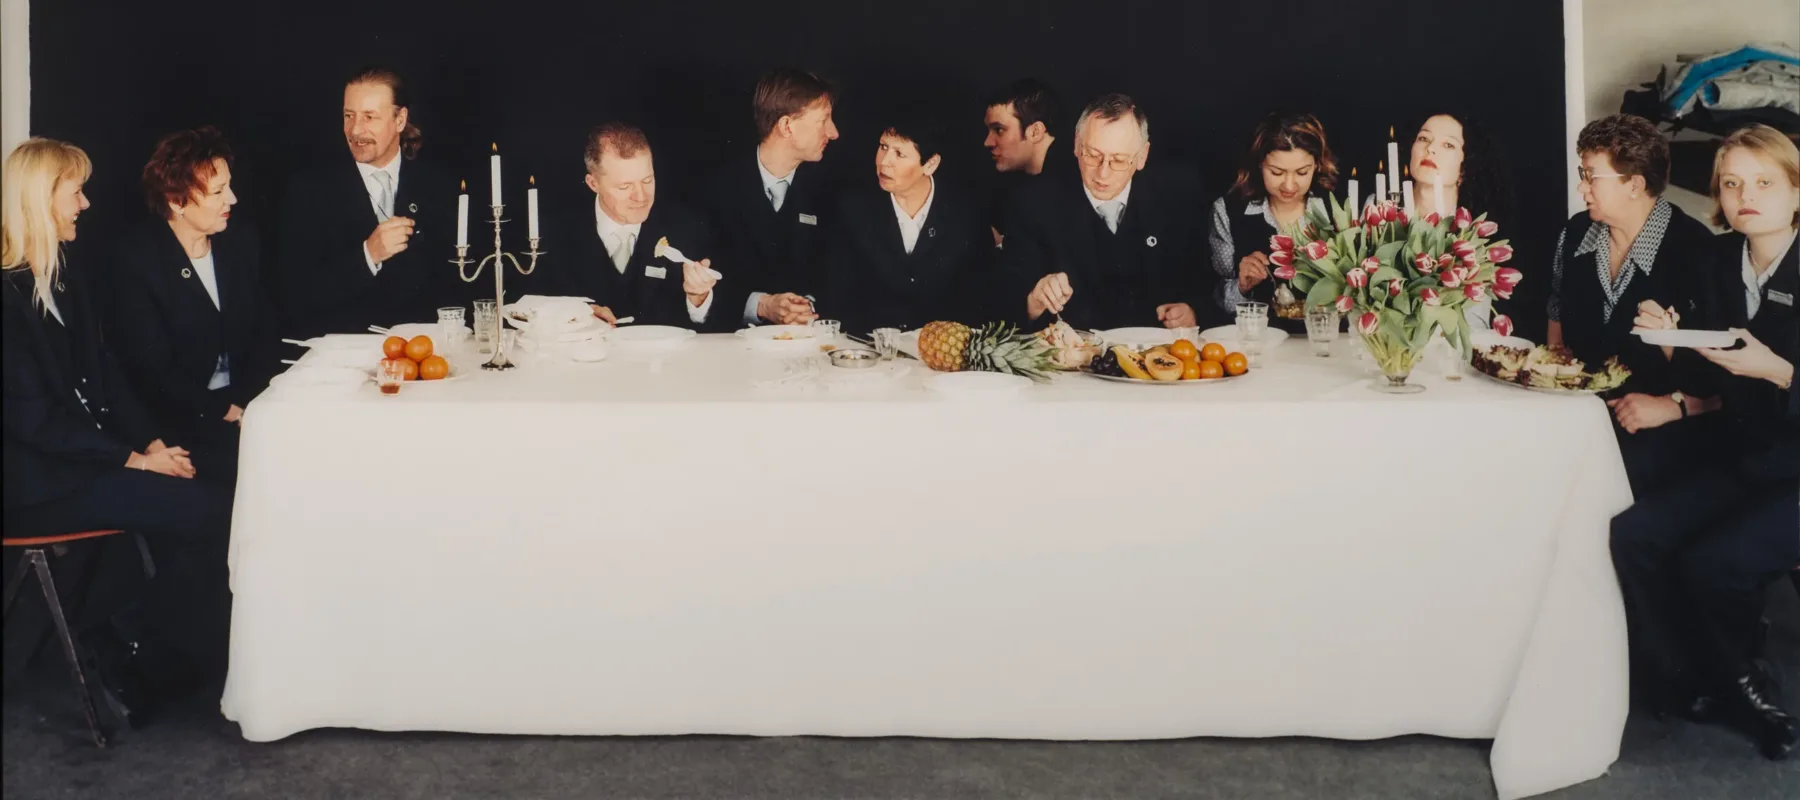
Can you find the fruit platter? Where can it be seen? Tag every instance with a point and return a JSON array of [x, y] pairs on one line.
[[1175, 364], [1548, 369], [416, 357]]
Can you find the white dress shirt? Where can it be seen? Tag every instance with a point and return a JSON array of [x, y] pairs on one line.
[[910, 225], [1123, 199], [612, 234], [1754, 283], [382, 210], [769, 179], [209, 279]]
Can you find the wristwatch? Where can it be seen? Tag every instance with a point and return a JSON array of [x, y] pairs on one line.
[[1680, 402]]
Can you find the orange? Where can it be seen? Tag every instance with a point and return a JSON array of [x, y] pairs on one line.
[[1211, 369], [411, 368], [1236, 364], [434, 368], [1184, 350], [419, 348], [393, 347], [1213, 351], [1190, 370]]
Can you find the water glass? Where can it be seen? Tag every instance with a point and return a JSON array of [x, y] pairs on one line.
[[452, 323], [1190, 333], [887, 342], [389, 374], [487, 313], [1321, 329], [825, 333], [1252, 324]]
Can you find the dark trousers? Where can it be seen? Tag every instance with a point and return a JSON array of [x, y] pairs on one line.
[[1656, 456], [1694, 560], [186, 523]]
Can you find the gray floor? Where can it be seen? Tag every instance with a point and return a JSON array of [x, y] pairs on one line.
[[194, 753]]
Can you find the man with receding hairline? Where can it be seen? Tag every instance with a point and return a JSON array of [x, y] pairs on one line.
[[608, 251]]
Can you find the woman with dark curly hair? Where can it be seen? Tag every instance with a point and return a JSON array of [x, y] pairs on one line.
[[1631, 245], [190, 320], [1287, 168]]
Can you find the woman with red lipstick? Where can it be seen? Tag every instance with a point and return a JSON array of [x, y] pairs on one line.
[[1454, 159], [1694, 560], [1288, 166], [1630, 246], [190, 319]]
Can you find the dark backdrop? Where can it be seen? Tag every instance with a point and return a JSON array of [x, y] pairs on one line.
[[534, 76]]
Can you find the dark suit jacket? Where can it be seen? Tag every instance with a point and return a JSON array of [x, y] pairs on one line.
[[325, 286], [1161, 239], [872, 282], [760, 249], [54, 443], [580, 266], [1059, 165], [1763, 434], [169, 336]]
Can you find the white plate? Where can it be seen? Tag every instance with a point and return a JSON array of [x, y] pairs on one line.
[[1226, 334], [764, 337], [977, 385], [411, 329], [1138, 338], [347, 341], [457, 373], [588, 329], [1154, 382], [1681, 338], [1543, 389]]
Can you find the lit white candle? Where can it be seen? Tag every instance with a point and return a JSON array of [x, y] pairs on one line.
[[1380, 187], [1437, 199], [1406, 195], [1393, 160], [462, 216], [1354, 208], [494, 173], [531, 208]]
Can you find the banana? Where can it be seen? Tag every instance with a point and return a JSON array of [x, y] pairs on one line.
[[1131, 363]]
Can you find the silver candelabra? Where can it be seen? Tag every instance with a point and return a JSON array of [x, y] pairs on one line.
[[499, 258]]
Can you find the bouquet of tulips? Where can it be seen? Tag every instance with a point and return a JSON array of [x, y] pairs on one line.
[[1397, 278]]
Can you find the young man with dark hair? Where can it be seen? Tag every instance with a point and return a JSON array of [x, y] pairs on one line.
[[768, 220], [1022, 120]]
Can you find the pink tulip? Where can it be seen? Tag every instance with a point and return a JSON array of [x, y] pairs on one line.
[[1368, 323], [1476, 292], [1282, 258], [1285, 272], [1506, 278], [1344, 303], [1433, 218], [1395, 287], [1445, 260], [1281, 242], [1503, 325], [1394, 214], [1429, 296], [1500, 254], [1424, 263], [1452, 277], [1357, 278], [1316, 249], [1469, 265], [1462, 249], [1503, 294], [1487, 229], [1371, 264], [1372, 215], [1464, 219]]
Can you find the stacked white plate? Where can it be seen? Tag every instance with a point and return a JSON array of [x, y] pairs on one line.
[[1227, 335], [1138, 338], [784, 339]]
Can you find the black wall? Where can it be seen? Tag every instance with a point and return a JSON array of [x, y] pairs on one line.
[[534, 76]]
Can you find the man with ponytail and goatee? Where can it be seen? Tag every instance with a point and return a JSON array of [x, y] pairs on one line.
[[364, 243]]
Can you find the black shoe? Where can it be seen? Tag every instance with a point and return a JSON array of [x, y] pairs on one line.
[[1774, 728]]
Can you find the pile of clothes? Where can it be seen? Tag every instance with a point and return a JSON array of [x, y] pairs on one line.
[[1752, 83]]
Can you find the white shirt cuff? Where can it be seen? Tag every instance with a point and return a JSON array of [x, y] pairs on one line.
[[374, 266], [697, 314], [750, 317]]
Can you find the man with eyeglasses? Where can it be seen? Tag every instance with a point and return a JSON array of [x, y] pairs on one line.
[[1114, 248]]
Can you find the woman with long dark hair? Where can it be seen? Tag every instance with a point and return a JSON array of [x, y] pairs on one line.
[[1287, 168]]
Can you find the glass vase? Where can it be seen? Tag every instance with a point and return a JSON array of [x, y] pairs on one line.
[[1396, 361]]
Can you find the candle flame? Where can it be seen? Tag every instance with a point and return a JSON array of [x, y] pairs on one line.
[[1380, 166], [533, 180], [495, 146], [465, 187], [1390, 131], [1352, 172], [1406, 170]]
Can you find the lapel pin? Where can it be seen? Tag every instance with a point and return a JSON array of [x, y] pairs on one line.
[[1150, 241], [187, 273], [931, 232], [412, 208]]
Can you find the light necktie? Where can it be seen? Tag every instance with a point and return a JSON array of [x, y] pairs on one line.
[[621, 254], [385, 199], [778, 193], [1111, 210]]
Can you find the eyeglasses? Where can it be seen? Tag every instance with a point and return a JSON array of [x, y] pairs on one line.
[[1119, 162], [1589, 176]]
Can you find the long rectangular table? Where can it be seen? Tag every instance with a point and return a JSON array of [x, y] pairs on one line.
[[672, 548]]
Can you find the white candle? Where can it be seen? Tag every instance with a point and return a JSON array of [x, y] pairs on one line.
[[1393, 161], [462, 216], [531, 208], [1406, 195], [1437, 199], [494, 174], [1354, 209], [1380, 188]]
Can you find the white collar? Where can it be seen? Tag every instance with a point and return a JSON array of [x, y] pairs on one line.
[[924, 210], [1123, 198], [1750, 266], [769, 179], [607, 226], [392, 169]]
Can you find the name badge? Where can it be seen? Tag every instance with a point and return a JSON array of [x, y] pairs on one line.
[[808, 219], [655, 272], [1781, 297]]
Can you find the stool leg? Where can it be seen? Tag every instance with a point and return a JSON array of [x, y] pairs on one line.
[[13, 583], [68, 643]]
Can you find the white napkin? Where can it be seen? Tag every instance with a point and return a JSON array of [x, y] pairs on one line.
[[552, 315]]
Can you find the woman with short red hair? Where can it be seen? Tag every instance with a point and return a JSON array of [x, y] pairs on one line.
[[190, 319]]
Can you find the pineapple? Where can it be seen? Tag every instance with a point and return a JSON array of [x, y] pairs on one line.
[[996, 347]]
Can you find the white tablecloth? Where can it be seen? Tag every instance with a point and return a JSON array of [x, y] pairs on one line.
[[637, 548]]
